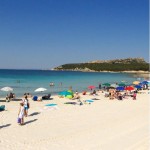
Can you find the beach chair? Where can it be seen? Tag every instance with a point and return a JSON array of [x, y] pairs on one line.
[[2, 107], [46, 97], [35, 98]]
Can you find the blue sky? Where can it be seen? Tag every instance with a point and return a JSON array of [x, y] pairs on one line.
[[42, 34]]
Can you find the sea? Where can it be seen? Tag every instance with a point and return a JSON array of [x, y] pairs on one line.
[[27, 81]]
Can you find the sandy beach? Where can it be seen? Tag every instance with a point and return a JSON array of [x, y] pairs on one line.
[[102, 125]]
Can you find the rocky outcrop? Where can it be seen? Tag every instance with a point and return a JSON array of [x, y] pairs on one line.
[[117, 61]]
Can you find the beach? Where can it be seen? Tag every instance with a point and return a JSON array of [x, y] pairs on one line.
[[102, 125], [74, 75]]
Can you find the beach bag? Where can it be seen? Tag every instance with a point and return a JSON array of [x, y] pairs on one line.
[[18, 120], [81, 103]]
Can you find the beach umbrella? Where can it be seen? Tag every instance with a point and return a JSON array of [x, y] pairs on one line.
[[122, 84], [120, 88], [106, 84], [68, 94], [91, 87], [40, 90], [110, 87], [114, 85], [136, 82], [145, 82], [129, 88], [7, 89], [138, 87], [65, 93]]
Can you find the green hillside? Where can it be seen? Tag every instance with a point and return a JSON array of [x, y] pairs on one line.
[[128, 64]]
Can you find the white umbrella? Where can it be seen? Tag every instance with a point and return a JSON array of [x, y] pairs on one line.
[[40, 90], [114, 85], [7, 89]]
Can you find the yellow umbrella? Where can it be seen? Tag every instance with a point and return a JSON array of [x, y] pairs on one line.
[[136, 82]]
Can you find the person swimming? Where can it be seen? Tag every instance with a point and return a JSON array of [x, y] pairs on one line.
[[51, 84]]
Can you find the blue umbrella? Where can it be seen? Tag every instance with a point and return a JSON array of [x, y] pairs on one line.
[[120, 88], [141, 84], [144, 82], [138, 86]]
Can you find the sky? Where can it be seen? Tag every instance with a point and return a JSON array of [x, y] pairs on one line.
[[43, 34]]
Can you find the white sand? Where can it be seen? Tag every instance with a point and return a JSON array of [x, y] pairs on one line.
[[103, 125]]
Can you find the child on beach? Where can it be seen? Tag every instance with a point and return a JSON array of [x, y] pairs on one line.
[[21, 114], [26, 105], [134, 96], [7, 98]]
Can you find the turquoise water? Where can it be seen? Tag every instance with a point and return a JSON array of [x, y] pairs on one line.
[[28, 80]]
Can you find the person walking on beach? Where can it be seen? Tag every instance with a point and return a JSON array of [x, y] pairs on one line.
[[26, 105], [21, 114]]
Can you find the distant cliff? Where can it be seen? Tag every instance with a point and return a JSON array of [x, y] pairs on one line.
[[128, 64]]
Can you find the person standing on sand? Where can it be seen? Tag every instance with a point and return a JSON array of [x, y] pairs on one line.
[[26, 105], [21, 114]]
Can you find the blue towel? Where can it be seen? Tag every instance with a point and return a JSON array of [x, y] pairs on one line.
[[50, 104], [90, 101]]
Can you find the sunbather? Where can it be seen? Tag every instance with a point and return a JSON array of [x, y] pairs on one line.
[[76, 96]]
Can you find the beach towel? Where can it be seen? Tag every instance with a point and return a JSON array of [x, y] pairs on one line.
[[2, 107], [49, 107], [74, 103], [89, 101], [50, 104]]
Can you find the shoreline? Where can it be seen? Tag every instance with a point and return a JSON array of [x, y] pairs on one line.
[[144, 74], [84, 70]]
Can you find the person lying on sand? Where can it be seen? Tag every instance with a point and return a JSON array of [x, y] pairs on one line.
[[76, 95]]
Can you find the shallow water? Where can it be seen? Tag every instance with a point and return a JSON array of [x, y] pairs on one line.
[[23, 81]]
